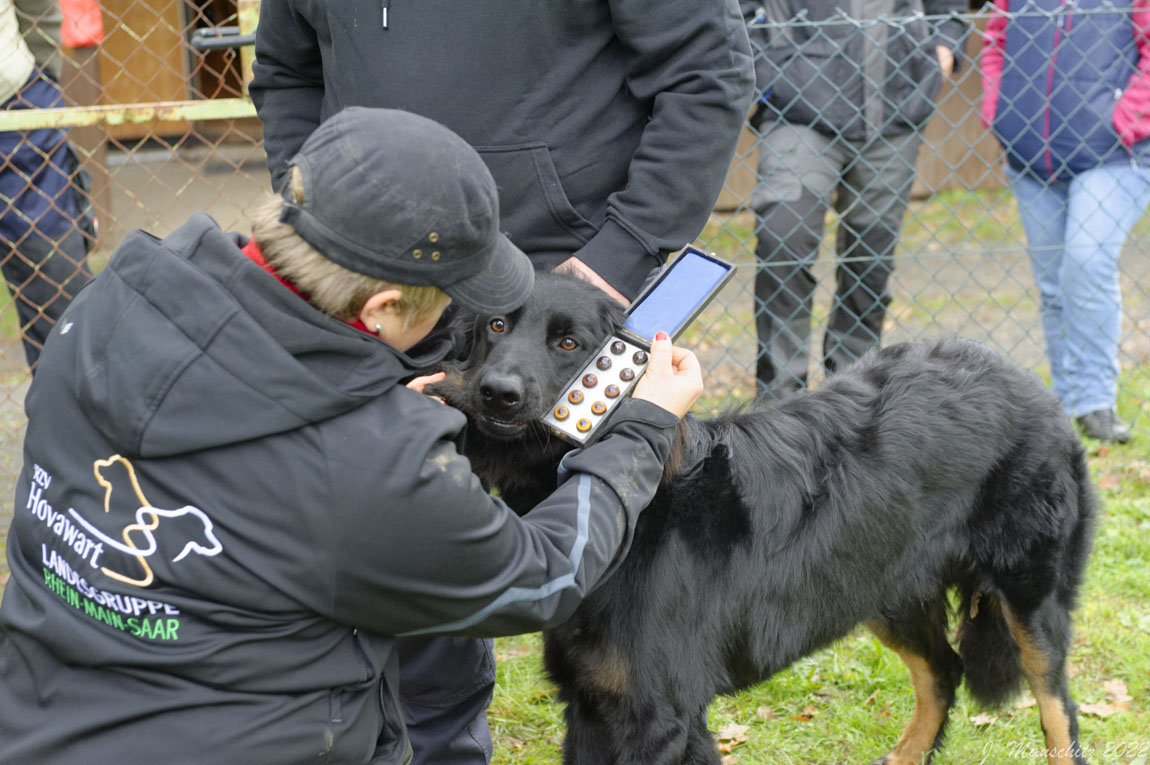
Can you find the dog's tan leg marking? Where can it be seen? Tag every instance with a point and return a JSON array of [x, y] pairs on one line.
[[1036, 667], [917, 739], [607, 669]]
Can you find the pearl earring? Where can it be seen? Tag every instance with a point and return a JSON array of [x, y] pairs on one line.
[[378, 328]]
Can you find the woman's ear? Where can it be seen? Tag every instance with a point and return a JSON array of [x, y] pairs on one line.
[[381, 309]]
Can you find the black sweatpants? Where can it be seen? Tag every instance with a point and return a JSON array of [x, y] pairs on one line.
[[800, 171]]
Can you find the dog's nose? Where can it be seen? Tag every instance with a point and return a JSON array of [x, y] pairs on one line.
[[502, 391]]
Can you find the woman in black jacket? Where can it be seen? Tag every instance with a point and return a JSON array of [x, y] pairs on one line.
[[231, 504]]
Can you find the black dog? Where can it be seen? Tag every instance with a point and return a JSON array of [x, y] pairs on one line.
[[777, 531]]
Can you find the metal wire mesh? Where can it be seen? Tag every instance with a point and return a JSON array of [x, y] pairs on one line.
[[959, 263], [145, 168]]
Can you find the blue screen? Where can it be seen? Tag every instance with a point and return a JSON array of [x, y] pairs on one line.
[[671, 303]]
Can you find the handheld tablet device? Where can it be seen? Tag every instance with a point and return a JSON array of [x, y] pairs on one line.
[[669, 304]]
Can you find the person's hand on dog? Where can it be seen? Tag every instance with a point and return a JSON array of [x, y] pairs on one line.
[[418, 384], [673, 380], [575, 266]]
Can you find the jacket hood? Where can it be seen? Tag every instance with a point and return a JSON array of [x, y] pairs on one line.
[[184, 343]]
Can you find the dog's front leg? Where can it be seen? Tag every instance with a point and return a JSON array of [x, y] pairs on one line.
[[588, 740], [622, 731]]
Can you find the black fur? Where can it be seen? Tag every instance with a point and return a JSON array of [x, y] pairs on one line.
[[922, 468]]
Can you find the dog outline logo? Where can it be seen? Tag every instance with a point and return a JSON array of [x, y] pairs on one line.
[[147, 520]]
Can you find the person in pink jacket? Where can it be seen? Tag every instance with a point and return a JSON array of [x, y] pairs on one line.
[[1067, 94]]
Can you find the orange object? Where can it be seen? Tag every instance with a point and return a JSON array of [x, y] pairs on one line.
[[83, 25]]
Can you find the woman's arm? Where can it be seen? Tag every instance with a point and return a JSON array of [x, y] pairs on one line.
[[1132, 112], [993, 59]]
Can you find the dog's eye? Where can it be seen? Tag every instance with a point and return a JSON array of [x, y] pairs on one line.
[[568, 344], [497, 325]]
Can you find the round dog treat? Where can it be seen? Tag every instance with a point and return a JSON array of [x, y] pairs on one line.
[[561, 412], [640, 357], [627, 375], [598, 407], [604, 362], [590, 381], [575, 396], [611, 391], [618, 347], [583, 425]]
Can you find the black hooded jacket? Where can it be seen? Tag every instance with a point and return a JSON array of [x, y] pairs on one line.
[[608, 126], [876, 73], [228, 508]]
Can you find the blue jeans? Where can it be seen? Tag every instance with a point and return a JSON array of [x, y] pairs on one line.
[[1075, 231]]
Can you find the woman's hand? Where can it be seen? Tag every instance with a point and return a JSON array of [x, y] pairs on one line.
[[673, 380], [945, 60], [417, 384]]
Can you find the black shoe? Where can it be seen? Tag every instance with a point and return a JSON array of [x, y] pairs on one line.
[[1104, 425]]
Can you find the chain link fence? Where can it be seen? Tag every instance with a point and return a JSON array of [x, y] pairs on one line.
[[913, 233], [843, 143]]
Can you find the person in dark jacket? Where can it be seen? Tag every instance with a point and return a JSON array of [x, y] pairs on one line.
[[845, 90], [609, 127], [46, 223], [231, 505], [1067, 93]]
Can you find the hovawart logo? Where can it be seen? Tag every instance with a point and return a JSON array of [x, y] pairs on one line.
[[137, 539]]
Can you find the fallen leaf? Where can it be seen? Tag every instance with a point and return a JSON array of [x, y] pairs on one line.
[[730, 759], [1110, 481], [870, 699], [734, 733], [885, 711], [983, 719], [731, 736], [800, 718], [1072, 670], [1026, 701], [765, 713], [1101, 709], [1118, 692]]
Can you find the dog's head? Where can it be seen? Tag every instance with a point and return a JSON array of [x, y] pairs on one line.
[[521, 360]]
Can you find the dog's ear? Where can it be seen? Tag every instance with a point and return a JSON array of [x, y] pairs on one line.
[[613, 311], [602, 305], [460, 324]]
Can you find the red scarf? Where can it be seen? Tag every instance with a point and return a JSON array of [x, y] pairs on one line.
[[252, 250]]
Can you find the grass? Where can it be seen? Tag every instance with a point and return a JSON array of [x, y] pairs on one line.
[[848, 703]]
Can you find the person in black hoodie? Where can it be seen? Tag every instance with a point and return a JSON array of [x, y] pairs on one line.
[[609, 127], [230, 505]]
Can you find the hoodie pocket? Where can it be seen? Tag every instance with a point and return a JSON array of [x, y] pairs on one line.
[[535, 211]]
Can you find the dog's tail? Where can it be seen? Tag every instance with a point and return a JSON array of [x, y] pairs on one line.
[[990, 657]]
